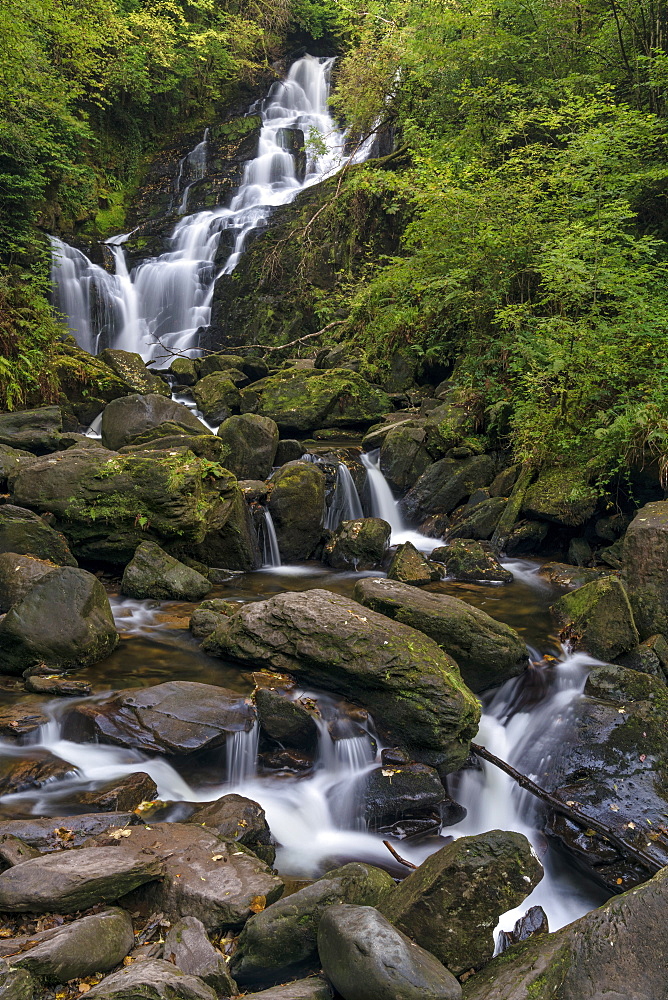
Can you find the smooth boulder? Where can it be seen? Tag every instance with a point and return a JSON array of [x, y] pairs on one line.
[[297, 507], [250, 442], [26, 533], [312, 988], [469, 561], [188, 947], [153, 573], [17, 576], [127, 418], [403, 456], [445, 484], [360, 544], [152, 979], [236, 818], [597, 618], [287, 722]]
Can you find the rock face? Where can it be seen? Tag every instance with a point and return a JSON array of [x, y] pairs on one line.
[[153, 573], [95, 943], [236, 818], [364, 956], [453, 901], [597, 618], [487, 651], [410, 566], [74, 880], [124, 420], [445, 484], [467, 560], [130, 367], [297, 508], [285, 721], [359, 544], [64, 619], [177, 717], [189, 949], [17, 576], [645, 568], [618, 950], [414, 687], [251, 442], [25, 533], [281, 941], [403, 456], [37, 431], [151, 980]]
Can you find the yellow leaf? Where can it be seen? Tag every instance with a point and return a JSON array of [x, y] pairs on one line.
[[83, 987], [257, 904]]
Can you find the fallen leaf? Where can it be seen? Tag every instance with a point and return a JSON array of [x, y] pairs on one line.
[[83, 987], [257, 904], [128, 960], [619, 881], [614, 808], [120, 833], [217, 857]]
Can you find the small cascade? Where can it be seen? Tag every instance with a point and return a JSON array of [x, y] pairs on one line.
[[192, 167], [87, 295], [271, 555], [346, 505], [384, 505], [242, 756]]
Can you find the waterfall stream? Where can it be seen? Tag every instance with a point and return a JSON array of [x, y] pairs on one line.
[[383, 504]]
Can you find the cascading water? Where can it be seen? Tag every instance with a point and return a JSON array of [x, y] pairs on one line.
[[385, 506], [345, 505], [192, 168], [271, 555], [167, 299]]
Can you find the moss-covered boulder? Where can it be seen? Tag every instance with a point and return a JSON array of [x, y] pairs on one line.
[[597, 618], [302, 399], [360, 544], [281, 942], [17, 576], [125, 420], [478, 521], [645, 567], [86, 383], [184, 371], [37, 431], [26, 533], [219, 362], [487, 651], [152, 573], [169, 437], [64, 620], [297, 507], [130, 367], [403, 456], [452, 902], [9, 463], [561, 495], [410, 566], [412, 687], [217, 396], [250, 442], [469, 561], [230, 540], [206, 618], [445, 484]]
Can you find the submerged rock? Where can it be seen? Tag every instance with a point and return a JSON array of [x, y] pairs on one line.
[[410, 566], [364, 956], [189, 949], [152, 979], [360, 544], [297, 508], [469, 561], [250, 442], [153, 573], [488, 652], [25, 533], [413, 687], [597, 618]]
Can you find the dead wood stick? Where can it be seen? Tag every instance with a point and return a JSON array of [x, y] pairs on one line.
[[402, 861], [580, 818]]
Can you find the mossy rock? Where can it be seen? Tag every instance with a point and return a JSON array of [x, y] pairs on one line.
[[445, 484], [152, 573], [597, 618], [130, 367], [216, 396], [360, 544], [403, 456], [297, 508], [561, 495], [410, 566], [26, 533], [86, 383], [469, 561], [250, 442], [140, 418]]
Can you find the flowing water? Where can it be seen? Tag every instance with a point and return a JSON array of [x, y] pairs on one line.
[[346, 504], [384, 504]]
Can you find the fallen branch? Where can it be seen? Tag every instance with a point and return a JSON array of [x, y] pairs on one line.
[[281, 347], [575, 815], [402, 861]]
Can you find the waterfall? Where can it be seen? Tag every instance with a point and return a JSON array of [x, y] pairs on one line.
[[345, 504], [242, 755], [271, 555], [168, 298], [384, 505]]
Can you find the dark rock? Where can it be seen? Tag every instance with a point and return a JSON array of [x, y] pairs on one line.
[[526, 538], [598, 619], [10, 459], [250, 442], [486, 651], [17, 575], [35, 769], [152, 979], [286, 721], [445, 484], [613, 555], [502, 484], [360, 544], [169, 437], [287, 760], [334, 643], [213, 364], [410, 566], [216, 396], [560, 495], [297, 505], [469, 561], [403, 456], [24, 532], [74, 880], [643, 658], [132, 370], [391, 793], [454, 899], [231, 540], [57, 685], [206, 618], [533, 922], [288, 450], [282, 940], [22, 719], [124, 794], [240, 820], [126, 419], [153, 573], [478, 521], [36, 431], [580, 552], [364, 956], [184, 371], [95, 943], [189, 949], [64, 619], [53, 833], [645, 568], [435, 526]]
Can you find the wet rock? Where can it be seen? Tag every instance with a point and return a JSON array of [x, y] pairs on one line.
[[287, 760], [125, 419], [643, 658], [17, 575], [184, 371], [580, 552], [212, 364], [363, 955], [75, 880], [562, 496], [286, 721], [216, 396], [403, 456], [336, 644], [177, 717], [391, 792], [95, 943], [36, 431], [24, 532], [57, 685], [435, 526], [301, 399], [296, 506], [231, 541], [566, 575], [125, 794], [251, 442], [53, 833], [35, 769], [281, 941], [469, 561], [533, 922], [645, 568], [17, 984], [64, 619], [526, 538], [618, 950], [153, 573], [360, 544], [445, 484], [453, 901], [215, 880], [312, 988], [479, 521], [238, 819], [189, 949], [597, 618], [487, 651], [288, 450], [132, 370], [10, 459], [206, 618], [152, 979], [410, 566]]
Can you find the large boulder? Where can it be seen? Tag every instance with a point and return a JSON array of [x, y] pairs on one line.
[[17, 576], [130, 367], [188, 947], [403, 456], [597, 618], [177, 717], [645, 568], [364, 956], [359, 544], [152, 979], [251, 442], [562, 496], [616, 951], [410, 566], [236, 818], [153, 573], [127, 418], [445, 484], [216, 396], [75, 880], [413, 688], [301, 399], [469, 561], [37, 431], [64, 620], [281, 942], [230, 541], [26, 533], [487, 651], [452, 902], [297, 508]]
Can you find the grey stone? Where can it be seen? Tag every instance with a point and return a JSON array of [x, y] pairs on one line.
[[17, 575], [445, 484], [297, 507], [125, 419], [36, 431], [152, 573], [53, 833], [251, 442], [188, 947], [151, 979], [26, 533], [312, 988], [410, 566]]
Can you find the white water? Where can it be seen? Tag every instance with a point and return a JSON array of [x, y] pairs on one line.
[[271, 554], [167, 299], [384, 505], [346, 505]]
